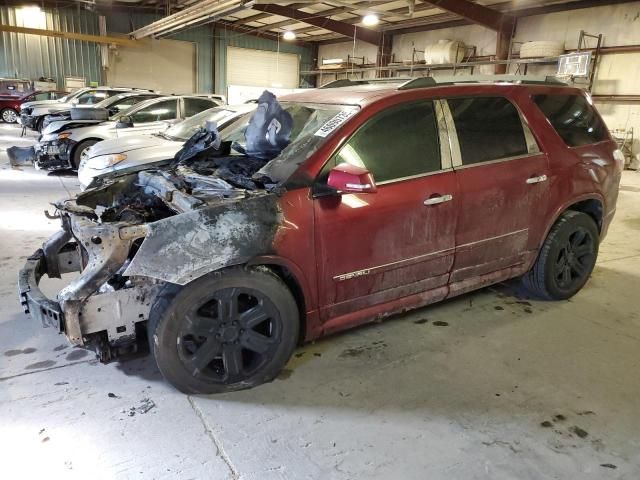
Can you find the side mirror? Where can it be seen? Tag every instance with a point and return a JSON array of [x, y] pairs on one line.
[[124, 122], [347, 178]]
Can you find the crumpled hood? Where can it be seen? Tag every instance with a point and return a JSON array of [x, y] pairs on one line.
[[137, 142], [43, 103], [58, 126]]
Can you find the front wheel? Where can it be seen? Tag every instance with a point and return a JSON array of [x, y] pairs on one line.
[[9, 115], [81, 151], [227, 331], [566, 259]]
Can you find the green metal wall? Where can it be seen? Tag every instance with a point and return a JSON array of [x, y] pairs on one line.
[[33, 56], [226, 38], [121, 22]]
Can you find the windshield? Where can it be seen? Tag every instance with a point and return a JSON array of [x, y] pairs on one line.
[[183, 131], [312, 124]]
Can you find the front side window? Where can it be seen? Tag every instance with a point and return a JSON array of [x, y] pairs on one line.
[[399, 142], [192, 106], [575, 120], [488, 128], [165, 110]]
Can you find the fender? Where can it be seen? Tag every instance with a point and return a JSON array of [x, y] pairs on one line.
[[185, 247]]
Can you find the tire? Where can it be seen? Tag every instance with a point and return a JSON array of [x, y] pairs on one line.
[[203, 347], [566, 258], [79, 150], [9, 115]]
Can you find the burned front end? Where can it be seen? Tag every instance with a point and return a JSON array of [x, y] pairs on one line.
[[132, 237]]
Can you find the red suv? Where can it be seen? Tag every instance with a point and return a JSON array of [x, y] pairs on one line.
[[10, 104], [327, 210]]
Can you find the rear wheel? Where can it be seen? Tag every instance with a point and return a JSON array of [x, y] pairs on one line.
[[227, 331], [9, 115], [81, 151], [566, 259]]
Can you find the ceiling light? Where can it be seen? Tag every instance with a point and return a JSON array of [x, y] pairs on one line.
[[289, 35], [370, 20]]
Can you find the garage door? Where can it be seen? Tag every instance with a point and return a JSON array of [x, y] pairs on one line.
[[167, 66], [260, 68]]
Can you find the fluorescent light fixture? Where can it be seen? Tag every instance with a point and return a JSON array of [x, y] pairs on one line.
[[370, 20], [289, 35]]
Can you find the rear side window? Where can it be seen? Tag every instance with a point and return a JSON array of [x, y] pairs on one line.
[[165, 110], [193, 106], [399, 142], [575, 120], [488, 128]]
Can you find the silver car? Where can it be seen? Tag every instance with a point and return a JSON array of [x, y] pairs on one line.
[[32, 113], [63, 143], [124, 155]]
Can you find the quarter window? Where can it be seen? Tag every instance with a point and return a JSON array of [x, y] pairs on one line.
[[399, 142], [575, 120], [488, 128], [166, 110]]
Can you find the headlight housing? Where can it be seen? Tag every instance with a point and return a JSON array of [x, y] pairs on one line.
[[105, 161], [64, 135]]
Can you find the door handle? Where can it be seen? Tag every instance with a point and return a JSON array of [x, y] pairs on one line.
[[437, 200], [532, 180]]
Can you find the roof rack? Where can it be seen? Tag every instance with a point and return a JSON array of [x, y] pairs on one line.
[[345, 82], [425, 82]]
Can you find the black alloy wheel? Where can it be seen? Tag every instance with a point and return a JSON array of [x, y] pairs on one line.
[[229, 330], [229, 337]]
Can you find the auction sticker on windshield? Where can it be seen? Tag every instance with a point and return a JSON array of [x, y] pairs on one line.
[[335, 122]]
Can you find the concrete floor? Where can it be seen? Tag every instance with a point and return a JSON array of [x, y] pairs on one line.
[[488, 385]]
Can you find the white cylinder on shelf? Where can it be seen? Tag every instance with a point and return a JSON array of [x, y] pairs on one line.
[[444, 51]]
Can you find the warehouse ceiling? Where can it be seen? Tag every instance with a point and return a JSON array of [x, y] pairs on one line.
[[331, 21], [324, 21]]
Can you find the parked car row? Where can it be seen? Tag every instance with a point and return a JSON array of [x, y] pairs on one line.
[[64, 143], [223, 246]]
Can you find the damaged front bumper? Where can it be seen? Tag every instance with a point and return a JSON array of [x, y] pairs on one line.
[[89, 311], [54, 155]]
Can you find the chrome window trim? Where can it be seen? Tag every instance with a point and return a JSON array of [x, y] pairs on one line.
[[454, 144], [498, 160], [443, 135], [412, 177]]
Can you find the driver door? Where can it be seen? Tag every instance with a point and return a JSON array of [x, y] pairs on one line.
[[399, 241]]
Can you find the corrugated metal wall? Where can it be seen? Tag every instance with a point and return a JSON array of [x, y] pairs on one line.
[[31, 56], [120, 22], [226, 38]]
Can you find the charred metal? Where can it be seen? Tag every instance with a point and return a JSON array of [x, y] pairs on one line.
[[138, 232]]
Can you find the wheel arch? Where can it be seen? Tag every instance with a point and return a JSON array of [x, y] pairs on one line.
[[294, 279], [590, 204]]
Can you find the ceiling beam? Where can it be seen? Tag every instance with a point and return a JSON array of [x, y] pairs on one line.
[[254, 32], [474, 12], [123, 42], [319, 20]]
